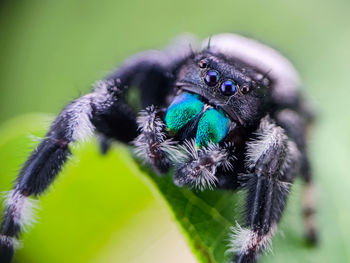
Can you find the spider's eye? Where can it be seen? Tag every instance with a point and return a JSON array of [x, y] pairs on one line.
[[228, 88], [203, 63], [245, 89], [211, 78]]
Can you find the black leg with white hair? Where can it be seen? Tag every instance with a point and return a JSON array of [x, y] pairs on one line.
[[272, 162], [74, 124], [296, 126], [103, 111]]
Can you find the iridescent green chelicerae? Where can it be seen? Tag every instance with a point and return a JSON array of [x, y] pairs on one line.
[[213, 124]]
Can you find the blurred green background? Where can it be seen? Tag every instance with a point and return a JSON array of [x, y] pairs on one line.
[[104, 209]]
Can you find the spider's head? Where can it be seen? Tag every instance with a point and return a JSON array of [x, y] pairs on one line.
[[239, 90], [240, 76], [213, 94]]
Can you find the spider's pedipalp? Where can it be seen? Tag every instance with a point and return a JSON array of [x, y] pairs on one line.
[[197, 166], [152, 144]]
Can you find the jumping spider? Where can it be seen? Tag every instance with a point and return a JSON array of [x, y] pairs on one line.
[[227, 115]]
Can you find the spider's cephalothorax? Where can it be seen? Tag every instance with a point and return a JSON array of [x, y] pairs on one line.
[[227, 115]]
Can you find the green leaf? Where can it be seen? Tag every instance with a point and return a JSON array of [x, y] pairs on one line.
[[206, 217], [95, 200]]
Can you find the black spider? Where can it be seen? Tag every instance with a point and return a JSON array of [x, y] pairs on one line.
[[227, 115]]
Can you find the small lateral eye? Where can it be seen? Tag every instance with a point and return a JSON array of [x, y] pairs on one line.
[[211, 78], [245, 89], [228, 88], [203, 63]]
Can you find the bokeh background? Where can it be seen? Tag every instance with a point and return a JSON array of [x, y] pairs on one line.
[[103, 209]]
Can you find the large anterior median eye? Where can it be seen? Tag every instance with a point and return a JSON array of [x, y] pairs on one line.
[[228, 88], [211, 78]]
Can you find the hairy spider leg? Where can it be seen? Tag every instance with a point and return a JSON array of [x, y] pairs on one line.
[[296, 126], [103, 111], [272, 162], [77, 122]]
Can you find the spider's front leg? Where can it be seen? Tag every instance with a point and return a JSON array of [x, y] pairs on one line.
[[103, 111], [77, 122], [272, 160]]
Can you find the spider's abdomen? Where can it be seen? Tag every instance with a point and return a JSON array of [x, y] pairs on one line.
[[187, 111]]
